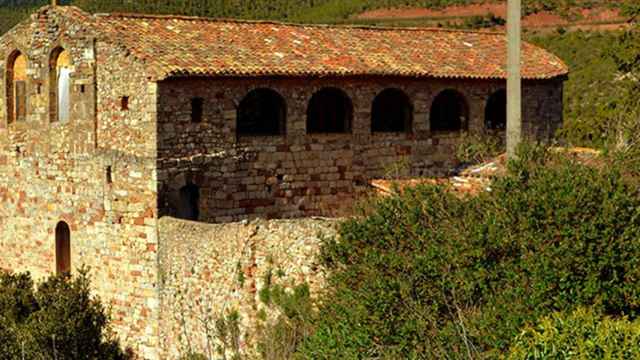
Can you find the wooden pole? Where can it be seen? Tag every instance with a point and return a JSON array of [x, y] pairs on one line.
[[514, 79], [54, 2]]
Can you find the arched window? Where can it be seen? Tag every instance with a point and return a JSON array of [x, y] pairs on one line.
[[63, 248], [449, 111], [330, 111], [262, 112], [16, 87], [189, 205], [495, 114], [60, 68], [391, 112]]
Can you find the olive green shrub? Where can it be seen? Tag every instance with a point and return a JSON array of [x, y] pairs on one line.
[[56, 319], [582, 334], [428, 274]]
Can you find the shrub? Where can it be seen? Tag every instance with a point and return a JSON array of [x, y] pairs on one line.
[[432, 275], [583, 334], [55, 319]]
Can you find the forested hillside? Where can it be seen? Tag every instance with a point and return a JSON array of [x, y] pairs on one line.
[[11, 11]]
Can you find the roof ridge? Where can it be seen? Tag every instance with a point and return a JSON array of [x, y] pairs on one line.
[[293, 24]]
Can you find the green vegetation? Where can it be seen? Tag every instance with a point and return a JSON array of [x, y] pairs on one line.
[[592, 91], [11, 11], [57, 319], [583, 334], [430, 275]]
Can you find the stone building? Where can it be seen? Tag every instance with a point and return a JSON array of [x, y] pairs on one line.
[[109, 122]]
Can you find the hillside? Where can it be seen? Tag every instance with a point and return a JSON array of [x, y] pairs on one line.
[[12, 11]]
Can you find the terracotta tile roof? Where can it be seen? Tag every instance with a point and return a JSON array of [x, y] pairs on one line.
[[177, 45]]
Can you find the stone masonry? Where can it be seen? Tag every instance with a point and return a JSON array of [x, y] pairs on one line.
[[116, 169]]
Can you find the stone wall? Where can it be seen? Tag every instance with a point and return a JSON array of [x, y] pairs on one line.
[[300, 174], [56, 171], [208, 270]]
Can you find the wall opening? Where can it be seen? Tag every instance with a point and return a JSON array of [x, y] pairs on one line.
[[189, 203], [16, 87], [330, 111], [495, 114], [63, 248], [262, 112], [59, 85], [124, 103], [449, 112], [391, 112], [197, 109]]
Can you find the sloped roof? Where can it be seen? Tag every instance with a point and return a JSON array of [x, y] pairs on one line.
[[184, 46]]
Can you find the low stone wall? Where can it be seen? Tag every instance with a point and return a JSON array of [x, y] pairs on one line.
[[209, 270]]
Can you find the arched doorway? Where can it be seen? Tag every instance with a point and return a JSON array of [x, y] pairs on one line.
[[63, 248]]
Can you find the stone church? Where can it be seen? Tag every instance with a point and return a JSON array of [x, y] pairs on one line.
[[109, 122]]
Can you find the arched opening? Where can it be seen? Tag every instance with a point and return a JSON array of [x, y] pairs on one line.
[[60, 68], [495, 114], [449, 111], [189, 203], [16, 87], [391, 112], [330, 111], [262, 112], [63, 248]]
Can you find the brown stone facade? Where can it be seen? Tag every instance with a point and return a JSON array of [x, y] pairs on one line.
[[299, 174], [129, 146]]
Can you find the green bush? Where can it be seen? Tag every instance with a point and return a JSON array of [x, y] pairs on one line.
[[431, 275], [57, 319], [583, 334]]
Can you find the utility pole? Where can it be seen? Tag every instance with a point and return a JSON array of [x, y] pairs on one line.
[[514, 78]]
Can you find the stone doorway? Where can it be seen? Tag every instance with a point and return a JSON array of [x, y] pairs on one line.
[[189, 202]]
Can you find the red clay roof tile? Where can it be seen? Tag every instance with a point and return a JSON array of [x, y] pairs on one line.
[[179, 46]]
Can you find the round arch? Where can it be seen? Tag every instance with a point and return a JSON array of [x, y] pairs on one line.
[[449, 111], [330, 110], [16, 86], [63, 248], [391, 111], [60, 64], [262, 111]]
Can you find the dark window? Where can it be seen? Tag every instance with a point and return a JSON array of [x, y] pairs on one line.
[[391, 112], [124, 103], [109, 175], [262, 112], [495, 114], [449, 112], [330, 111], [82, 89], [63, 248], [189, 206], [197, 107]]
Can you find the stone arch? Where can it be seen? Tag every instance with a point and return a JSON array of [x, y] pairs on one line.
[[262, 111], [63, 248], [495, 113], [330, 110], [60, 68], [16, 87], [449, 111], [391, 111]]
